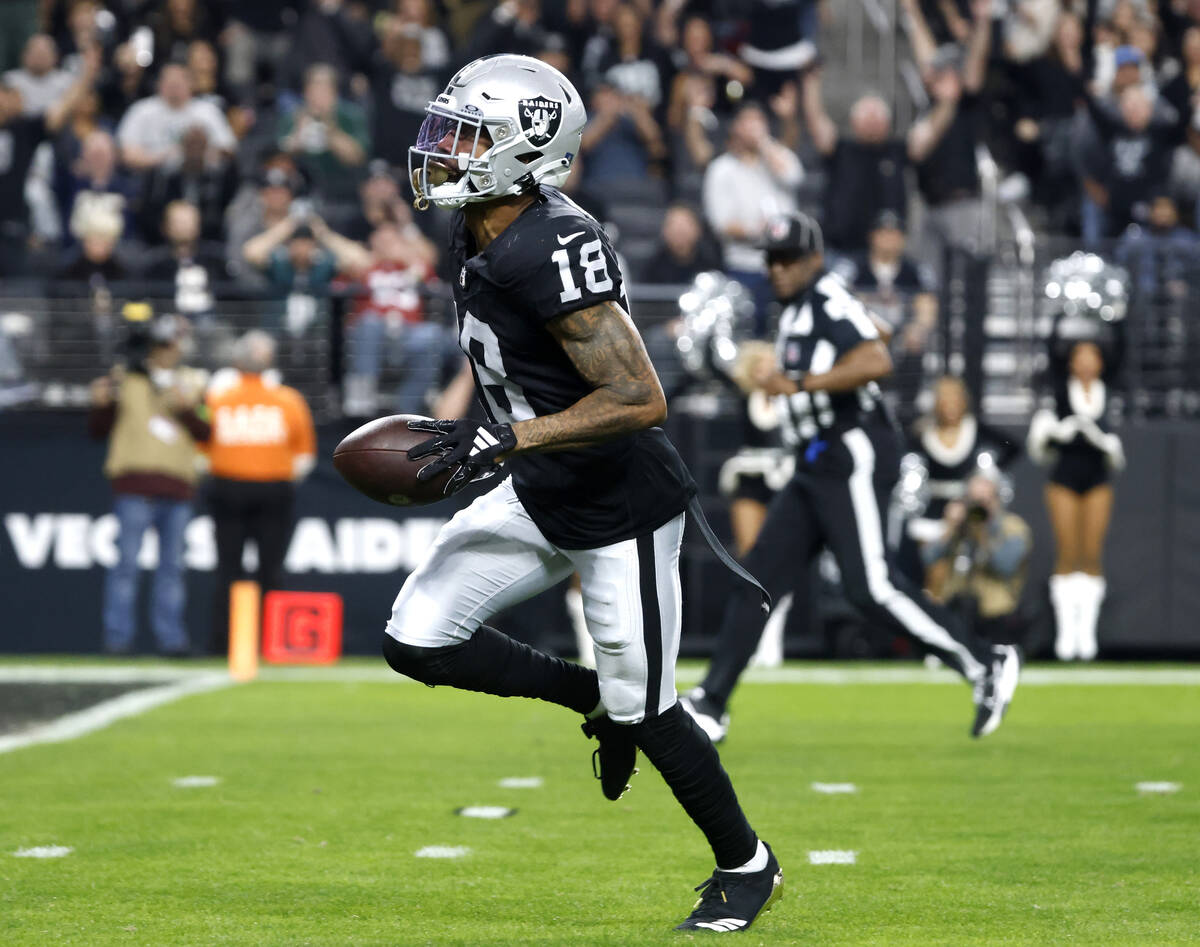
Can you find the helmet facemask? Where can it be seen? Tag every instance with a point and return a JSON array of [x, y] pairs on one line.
[[445, 169], [443, 166]]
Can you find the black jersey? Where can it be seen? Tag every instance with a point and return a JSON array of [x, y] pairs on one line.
[[552, 260], [817, 328]]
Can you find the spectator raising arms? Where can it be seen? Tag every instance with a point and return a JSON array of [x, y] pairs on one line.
[[259, 206], [866, 168], [1138, 147], [300, 255], [622, 141], [20, 135], [697, 57], [942, 142]]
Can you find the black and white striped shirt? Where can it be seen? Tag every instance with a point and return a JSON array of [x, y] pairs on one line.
[[816, 329]]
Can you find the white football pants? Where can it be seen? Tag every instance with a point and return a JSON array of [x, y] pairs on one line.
[[491, 556]]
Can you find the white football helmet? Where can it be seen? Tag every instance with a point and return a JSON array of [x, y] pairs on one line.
[[532, 115]]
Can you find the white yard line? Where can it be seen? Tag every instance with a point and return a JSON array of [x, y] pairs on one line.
[[1158, 787], [98, 716], [485, 812], [833, 857], [44, 851], [521, 782]]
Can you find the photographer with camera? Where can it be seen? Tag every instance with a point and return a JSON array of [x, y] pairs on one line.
[[150, 410], [978, 565]]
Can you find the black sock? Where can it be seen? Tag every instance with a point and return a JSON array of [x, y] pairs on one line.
[[493, 663], [691, 767]]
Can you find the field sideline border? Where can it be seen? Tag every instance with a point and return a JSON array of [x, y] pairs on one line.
[[212, 673], [174, 682], [80, 723]]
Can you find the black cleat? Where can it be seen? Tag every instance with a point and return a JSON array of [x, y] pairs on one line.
[[708, 714], [613, 760], [731, 901], [994, 692]]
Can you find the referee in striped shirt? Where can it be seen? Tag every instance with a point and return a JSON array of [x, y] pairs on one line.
[[822, 379]]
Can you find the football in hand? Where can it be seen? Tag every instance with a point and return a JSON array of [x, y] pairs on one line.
[[374, 460]]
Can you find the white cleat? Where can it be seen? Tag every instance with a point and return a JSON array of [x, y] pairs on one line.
[[994, 693], [708, 716]]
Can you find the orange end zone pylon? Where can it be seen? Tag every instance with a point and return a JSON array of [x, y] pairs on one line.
[[244, 602]]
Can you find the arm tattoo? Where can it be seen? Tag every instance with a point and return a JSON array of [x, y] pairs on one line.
[[608, 353]]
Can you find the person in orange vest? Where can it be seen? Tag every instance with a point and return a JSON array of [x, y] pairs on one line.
[[262, 444]]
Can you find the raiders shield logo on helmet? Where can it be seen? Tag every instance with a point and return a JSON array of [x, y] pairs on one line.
[[540, 118]]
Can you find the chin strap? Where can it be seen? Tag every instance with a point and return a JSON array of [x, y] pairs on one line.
[[724, 555]]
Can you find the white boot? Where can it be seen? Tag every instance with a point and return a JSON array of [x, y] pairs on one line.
[[1091, 595], [583, 641], [1063, 598], [770, 646]]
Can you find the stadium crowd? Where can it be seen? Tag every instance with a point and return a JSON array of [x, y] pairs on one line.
[[219, 150]]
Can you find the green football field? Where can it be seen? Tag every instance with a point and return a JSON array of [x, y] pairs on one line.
[[329, 783]]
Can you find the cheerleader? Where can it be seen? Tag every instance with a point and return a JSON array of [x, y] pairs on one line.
[[1074, 442], [952, 442]]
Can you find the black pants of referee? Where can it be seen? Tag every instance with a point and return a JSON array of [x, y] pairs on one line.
[[838, 500], [241, 510]]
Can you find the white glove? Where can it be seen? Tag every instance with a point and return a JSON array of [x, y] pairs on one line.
[[1065, 429], [1114, 452], [1042, 429]]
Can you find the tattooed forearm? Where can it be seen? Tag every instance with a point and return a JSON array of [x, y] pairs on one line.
[[626, 396]]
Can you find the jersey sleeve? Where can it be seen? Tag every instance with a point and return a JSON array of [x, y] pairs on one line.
[[573, 266]]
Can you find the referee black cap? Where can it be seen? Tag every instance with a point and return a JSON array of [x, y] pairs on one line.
[[793, 234]]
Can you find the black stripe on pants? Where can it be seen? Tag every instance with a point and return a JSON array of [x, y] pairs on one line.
[[651, 621]]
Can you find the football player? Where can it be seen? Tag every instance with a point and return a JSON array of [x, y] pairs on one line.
[[596, 488], [822, 376]]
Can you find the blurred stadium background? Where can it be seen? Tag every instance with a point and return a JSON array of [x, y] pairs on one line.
[[199, 156], [241, 166]]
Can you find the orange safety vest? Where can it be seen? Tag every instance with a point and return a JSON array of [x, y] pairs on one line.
[[258, 430]]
